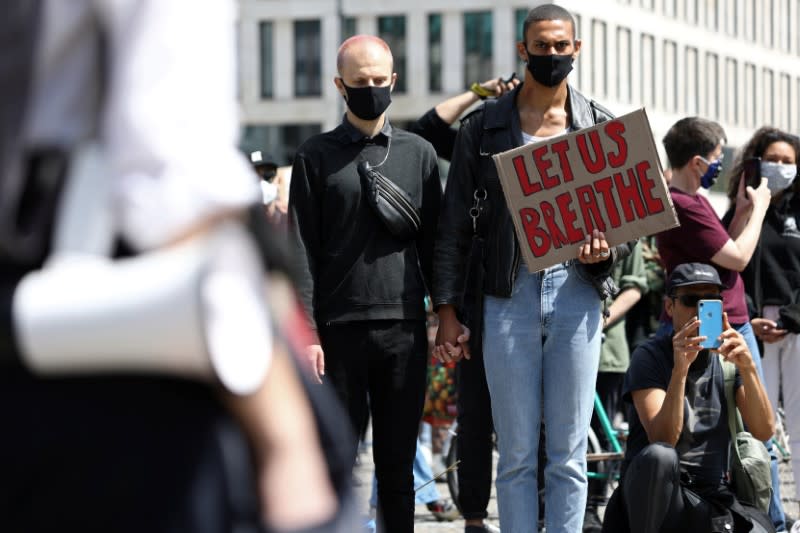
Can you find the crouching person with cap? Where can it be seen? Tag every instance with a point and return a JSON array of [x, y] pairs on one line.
[[675, 473]]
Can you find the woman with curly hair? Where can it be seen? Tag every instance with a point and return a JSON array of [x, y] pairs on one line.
[[772, 278]]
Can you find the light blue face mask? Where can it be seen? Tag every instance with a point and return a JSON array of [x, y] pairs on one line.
[[779, 175]]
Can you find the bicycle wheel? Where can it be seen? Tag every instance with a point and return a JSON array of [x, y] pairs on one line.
[[598, 470], [452, 474]]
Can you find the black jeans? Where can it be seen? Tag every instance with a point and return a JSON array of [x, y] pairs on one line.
[[474, 437], [386, 359], [654, 499]]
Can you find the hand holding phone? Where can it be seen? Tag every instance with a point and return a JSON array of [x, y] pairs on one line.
[[710, 314]]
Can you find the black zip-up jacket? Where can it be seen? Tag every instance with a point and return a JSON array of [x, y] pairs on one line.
[[349, 267], [494, 128]]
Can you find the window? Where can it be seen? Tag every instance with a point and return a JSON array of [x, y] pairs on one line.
[[435, 53], [477, 46], [712, 13], [751, 104], [769, 96], [307, 63], [712, 86], [670, 8], [279, 142], [692, 85], [392, 29], [624, 66], [348, 27], [731, 86], [750, 19], [797, 26], [647, 4], [692, 11], [519, 22], [648, 70], [769, 23], [577, 73], [785, 117], [671, 76], [796, 109], [265, 63], [730, 17], [599, 58]]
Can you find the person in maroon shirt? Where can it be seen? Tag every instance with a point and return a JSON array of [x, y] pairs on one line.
[[694, 150]]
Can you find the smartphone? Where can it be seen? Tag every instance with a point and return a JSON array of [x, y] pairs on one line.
[[752, 172], [710, 314]]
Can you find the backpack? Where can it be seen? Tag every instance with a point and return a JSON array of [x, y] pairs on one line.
[[751, 478]]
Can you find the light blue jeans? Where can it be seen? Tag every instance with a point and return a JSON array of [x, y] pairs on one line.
[[541, 351], [776, 513]]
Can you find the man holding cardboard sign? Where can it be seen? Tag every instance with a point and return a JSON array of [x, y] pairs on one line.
[[542, 329]]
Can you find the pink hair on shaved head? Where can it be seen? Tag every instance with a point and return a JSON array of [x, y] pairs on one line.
[[360, 39]]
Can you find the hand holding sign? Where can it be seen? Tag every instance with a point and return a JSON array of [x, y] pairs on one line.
[[592, 189], [594, 249]]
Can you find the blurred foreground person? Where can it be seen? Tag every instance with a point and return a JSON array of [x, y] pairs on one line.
[[152, 392]]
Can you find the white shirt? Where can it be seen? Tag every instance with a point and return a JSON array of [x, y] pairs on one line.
[[163, 106]]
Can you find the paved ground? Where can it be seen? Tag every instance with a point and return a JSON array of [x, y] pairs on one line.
[[426, 523]]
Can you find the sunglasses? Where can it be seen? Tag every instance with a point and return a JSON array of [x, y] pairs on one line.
[[690, 300]]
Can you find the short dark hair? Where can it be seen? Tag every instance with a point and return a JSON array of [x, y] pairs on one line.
[[547, 12], [756, 147], [689, 137]]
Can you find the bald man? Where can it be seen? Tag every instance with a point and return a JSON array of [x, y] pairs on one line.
[[362, 283]]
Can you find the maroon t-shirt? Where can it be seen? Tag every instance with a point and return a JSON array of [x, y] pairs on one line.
[[699, 237]]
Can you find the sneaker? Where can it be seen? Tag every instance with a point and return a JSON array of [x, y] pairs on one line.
[[443, 511], [591, 521], [795, 527]]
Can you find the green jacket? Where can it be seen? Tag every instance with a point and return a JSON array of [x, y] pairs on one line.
[[628, 273]]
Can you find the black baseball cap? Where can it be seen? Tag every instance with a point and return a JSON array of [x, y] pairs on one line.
[[687, 274], [259, 159]]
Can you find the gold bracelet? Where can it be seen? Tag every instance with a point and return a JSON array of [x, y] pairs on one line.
[[478, 89]]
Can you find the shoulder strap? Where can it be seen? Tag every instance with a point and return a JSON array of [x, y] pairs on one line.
[[734, 419], [479, 199]]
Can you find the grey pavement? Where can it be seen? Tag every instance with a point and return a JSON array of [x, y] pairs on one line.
[[424, 522]]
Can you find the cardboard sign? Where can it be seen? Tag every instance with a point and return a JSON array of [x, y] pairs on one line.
[[606, 177]]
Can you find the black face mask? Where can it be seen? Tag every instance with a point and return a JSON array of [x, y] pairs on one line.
[[549, 70], [367, 103]]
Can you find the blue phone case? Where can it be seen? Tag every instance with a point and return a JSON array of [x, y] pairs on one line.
[[710, 314]]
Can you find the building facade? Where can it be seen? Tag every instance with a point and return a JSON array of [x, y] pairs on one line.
[[733, 61]]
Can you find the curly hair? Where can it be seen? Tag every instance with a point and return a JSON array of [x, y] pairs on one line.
[[756, 147]]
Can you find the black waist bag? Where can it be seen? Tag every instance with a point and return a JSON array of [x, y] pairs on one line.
[[391, 203]]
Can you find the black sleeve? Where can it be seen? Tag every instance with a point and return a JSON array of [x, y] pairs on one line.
[[431, 204], [647, 369], [304, 230], [455, 226], [436, 131]]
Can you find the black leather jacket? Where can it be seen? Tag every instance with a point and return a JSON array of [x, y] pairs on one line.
[[495, 128]]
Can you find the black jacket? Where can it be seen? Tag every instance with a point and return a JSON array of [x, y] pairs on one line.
[[349, 267], [494, 128]]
